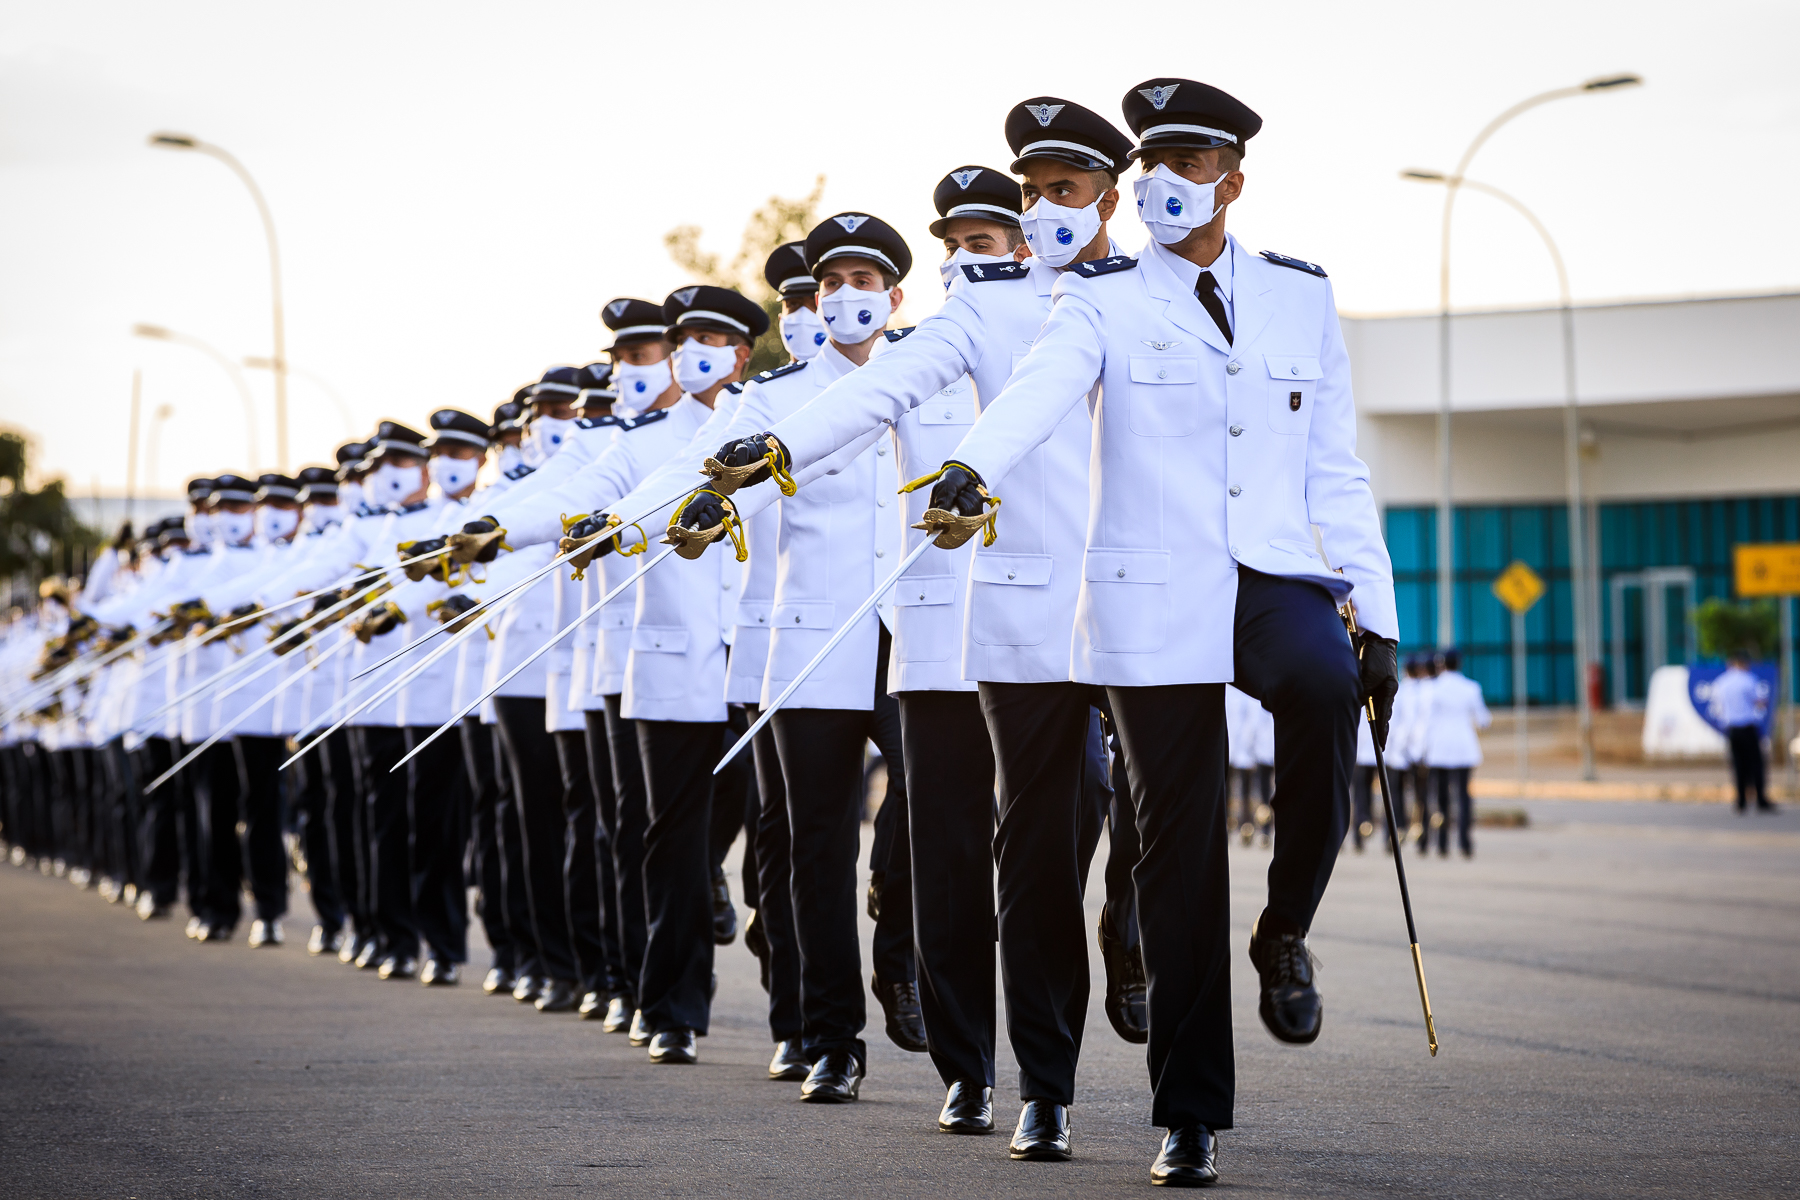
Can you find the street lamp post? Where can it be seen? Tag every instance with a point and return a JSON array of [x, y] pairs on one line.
[[1446, 621], [258, 363], [181, 141], [159, 334], [163, 413], [1584, 634]]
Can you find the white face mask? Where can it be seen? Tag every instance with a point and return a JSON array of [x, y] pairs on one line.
[[452, 475], [511, 458], [802, 333], [273, 524], [699, 366], [853, 316], [233, 529], [1057, 234], [199, 530], [951, 267], [324, 516], [350, 496], [639, 386], [389, 484], [1172, 207], [544, 437]]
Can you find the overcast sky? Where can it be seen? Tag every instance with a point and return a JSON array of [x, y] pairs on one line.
[[458, 187]]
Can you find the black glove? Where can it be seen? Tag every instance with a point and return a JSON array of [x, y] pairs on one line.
[[959, 490], [587, 527], [322, 602], [1379, 659], [285, 639], [478, 541], [452, 607], [753, 449], [244, 610], [416, 571], [704, 511]]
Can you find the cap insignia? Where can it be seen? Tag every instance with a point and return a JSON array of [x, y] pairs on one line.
[[617, 308], [1158, 96], [685, 297], [965, 178], [1046, 113], [851, 221]]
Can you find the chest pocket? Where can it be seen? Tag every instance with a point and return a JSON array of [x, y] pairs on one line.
[[955, 405], [1293, 387], [1165, 395]]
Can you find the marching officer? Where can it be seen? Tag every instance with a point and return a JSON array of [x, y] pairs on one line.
[[1226, 431]]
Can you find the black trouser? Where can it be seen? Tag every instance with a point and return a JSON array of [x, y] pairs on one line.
[[219, 857], [737, 786], [537, 794], [159, 824], [1450, 791], [1040, 740], [950, 799], [774, 885], [1361, 800], [625, 835], [312, 805], [821, 751], [500, 896], [1107, 794], [345, 818], [1748, 771], [260, 810], [582, 904], [437, 810], [389, 839], [606, 808], [890, 875], [674, 988], [1292, 654], [119, 816]]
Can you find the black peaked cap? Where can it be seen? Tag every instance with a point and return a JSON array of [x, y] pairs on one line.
[[232, 487], [277, 487], [1182, 112], [391, 437], [559, 383], [458, 427], [857, 235], [980, 192], [1051, 127], [598, 387], [632, 320], [786, 272], [507, 417], [704, 304]]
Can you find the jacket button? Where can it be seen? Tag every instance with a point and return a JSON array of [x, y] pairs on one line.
[[659, 645], [1121, 572], [1234, 551], [881, 451], [1237, 430], [881, 502], [948, 415], [881, 554], [1293, 370], [921, 595], [1012, 574], [760, 620], [1162, 374], [1233, 368], [1236, 490], [796, 618]]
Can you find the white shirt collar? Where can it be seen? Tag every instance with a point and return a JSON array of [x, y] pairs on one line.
[[1189, 273]]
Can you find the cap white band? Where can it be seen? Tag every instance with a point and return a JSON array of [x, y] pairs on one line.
[[637, 330], [1006, 215], [1155, 130], [398, 446], [868, 252], [707, 314], [797, 281], [600, 393], [568, 388], [278, 493], [459, 435], [1028, 151], [233, 494]]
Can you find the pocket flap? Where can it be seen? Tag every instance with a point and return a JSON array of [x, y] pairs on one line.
[[1292, 366], [659, 639], [958, 409], [1020, 570], [754, 613], [804, 615], [1127, 566], [915, 590], [1155, 368]]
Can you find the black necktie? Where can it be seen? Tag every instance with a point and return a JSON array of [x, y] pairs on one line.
[[1207, 292]]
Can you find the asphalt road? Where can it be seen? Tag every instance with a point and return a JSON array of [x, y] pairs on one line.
[[1617, 990]]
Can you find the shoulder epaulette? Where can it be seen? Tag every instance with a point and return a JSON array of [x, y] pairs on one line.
[[988, 272], [894, 335], [519, 472], [734, 388], [1106, 266], [650, 418], [1296, 264], [778, 372], [603, 421]]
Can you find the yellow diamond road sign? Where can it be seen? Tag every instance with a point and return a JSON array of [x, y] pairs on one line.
[[1769, 569], [1519, 587]]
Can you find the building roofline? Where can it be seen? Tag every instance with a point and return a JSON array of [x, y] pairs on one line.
[[1579, 305]]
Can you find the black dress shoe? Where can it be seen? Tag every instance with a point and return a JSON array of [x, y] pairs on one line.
[[1043, 1133], [324, 941], [1189, 1158], [397, 966], [834, 1079], [900, 1001], [1290, 1006], [968, 1108], [499, 982], [618, 1013], [724, 915], [559, 995], [675, 1046], [640, 1030], [526, 988], [757, 943], [349, 948], [790, 1063], [1127, 995], [439, 972], [592, 1006], [367, 955]]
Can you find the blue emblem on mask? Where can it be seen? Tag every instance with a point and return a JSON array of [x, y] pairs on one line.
[[638, 386], [1174, 206], [864, 316], [705, 367], [1064, 236], [818, 339]]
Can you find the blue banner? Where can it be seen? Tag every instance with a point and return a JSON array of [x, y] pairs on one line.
[[1768, 686]]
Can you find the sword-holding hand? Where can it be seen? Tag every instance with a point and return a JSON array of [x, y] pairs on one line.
[[1379, 665], [748, 462], [480, 541]]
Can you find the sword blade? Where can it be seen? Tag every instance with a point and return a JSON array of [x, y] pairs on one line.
[[842, 633]]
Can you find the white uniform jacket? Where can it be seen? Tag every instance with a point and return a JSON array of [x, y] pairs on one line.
[[401, 526], [1022, 594], [1457, 711], [1208, 454]]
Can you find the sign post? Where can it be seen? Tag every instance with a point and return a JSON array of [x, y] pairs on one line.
[[1773, 569], [1519, 588]]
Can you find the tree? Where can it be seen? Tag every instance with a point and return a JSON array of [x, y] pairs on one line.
[[779, 220], [37, 528], [1751, 627]]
